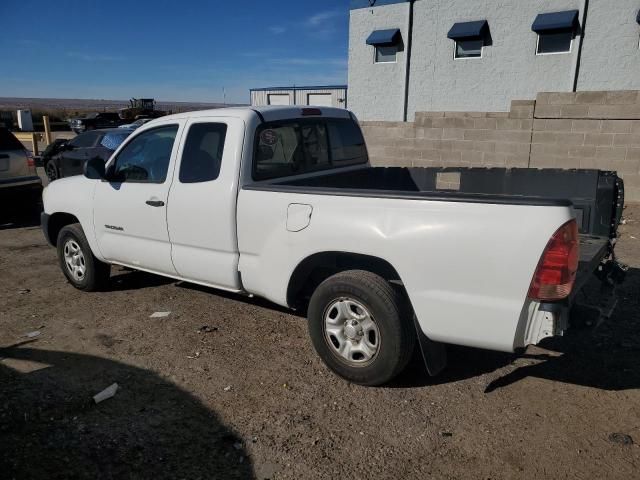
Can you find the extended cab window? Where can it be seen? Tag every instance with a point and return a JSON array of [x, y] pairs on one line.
[[299, 146], [146, 158], [202, 155]]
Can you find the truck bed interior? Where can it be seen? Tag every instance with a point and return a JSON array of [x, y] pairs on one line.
[[596, 195]]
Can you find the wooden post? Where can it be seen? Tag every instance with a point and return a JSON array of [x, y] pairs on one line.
[[34, 142], [47, 130]]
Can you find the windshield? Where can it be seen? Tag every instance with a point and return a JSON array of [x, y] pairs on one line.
[[293, 147], [113, 140]]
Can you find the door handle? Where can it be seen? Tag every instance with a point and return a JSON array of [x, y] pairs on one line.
[[155, 203]]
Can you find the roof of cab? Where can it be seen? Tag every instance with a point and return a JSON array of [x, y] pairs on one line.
[[269, 113]]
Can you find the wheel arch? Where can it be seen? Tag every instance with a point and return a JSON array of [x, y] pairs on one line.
[[57, 221], [316, 268]]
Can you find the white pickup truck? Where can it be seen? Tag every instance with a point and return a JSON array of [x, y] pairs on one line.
[[281, 202]]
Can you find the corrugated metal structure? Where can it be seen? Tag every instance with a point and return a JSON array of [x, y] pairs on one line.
[[323, 96]]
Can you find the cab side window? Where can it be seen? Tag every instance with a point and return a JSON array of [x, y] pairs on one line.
[[146, 158], [202, 155]]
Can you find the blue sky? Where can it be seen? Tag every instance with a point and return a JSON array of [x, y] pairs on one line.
[[172, 50]]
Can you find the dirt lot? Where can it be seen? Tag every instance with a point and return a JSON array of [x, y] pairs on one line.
[[248, 398]]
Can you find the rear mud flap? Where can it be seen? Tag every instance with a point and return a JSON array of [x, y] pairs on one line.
[[433, 353]]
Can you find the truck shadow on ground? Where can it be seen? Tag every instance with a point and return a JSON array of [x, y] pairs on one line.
[[123, 279], [51, 428], [20, 218], [606, 356], [256, 301]]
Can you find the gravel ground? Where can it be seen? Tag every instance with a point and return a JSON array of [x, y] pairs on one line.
[[229, 387]]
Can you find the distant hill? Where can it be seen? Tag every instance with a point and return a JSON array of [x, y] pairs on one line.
[[71, 105]]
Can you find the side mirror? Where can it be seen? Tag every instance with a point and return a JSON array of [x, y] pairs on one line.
[[94, 168]]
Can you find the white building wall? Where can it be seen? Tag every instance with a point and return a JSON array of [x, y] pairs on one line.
[[261, 97], [376, 91], [509, 68], [338, 96], [610, 54], [299, 96]]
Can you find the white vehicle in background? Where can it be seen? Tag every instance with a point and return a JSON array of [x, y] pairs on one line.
[[281, 202], [20, 186]]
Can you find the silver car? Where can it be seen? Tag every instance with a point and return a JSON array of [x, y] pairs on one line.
[[18, 178]]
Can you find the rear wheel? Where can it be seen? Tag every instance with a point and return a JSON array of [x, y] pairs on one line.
[[83, 270], [360, 327]]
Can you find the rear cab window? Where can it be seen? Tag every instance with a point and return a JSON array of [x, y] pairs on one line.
[[8, 141], [297, 146]]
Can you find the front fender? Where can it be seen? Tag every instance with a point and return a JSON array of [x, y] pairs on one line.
[[73, 196]]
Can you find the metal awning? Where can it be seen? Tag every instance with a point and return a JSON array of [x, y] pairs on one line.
[[391, 36], [555, 21], [463, 30]]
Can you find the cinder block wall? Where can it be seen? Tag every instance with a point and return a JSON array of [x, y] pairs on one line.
[[557, 130]]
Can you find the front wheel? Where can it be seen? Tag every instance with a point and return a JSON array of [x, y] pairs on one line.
[[83, 270], [360, 326]]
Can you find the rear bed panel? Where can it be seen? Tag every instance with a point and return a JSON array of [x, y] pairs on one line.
[[467, 267]]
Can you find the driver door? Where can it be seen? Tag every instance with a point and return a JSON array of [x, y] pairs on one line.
[[130, 217]]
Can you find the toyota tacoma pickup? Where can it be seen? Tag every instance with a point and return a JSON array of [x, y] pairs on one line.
[[282, 203]]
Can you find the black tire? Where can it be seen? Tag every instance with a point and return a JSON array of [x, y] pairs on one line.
[[51, 170], [387, 309], [96, 273]]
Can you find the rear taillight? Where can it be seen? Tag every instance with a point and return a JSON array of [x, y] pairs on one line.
[[30, 161], [557, 268]]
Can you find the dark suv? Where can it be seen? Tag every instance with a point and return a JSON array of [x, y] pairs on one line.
[[94, 121], [65, 159]]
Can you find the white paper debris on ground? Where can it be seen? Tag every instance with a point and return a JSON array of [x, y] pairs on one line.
[[227, 389], [23, 366], [159, 314], [33, 334], [105, 394]]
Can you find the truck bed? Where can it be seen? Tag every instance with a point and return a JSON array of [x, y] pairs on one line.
[[596, 196]]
